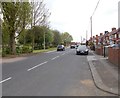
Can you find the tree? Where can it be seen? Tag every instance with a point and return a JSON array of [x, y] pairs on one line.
[[48, 37], [5, 35], [16, 16], [26, 37], [39, 16], [66, 38], [39, 36], [56, 37]]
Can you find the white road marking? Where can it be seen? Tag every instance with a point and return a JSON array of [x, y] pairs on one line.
[[63, 54], [5, 80], [37, 66], [55, 57], [50, 51]]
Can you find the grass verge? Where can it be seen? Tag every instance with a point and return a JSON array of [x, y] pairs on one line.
[[46, 50]]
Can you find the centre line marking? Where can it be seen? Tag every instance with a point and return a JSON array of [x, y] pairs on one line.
[[63, 54], [5, 80], [55, 57], [37, 66], [50, 51]]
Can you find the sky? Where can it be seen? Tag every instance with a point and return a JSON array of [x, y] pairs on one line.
[[73, 16]]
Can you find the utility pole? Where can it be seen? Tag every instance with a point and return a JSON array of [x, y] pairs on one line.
[[118, 14], [92, 15], [81, 39], [91, 25], [86, 34]]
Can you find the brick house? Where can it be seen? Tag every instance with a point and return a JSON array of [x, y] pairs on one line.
[[114, 52], [113, 36], [106, 41], [99, 44], [118, 37]]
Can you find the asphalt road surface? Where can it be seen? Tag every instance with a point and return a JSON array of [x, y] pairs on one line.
[[55, 73]]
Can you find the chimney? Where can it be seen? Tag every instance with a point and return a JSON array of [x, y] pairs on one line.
[[113, 28], [106, 32], [101, 34]]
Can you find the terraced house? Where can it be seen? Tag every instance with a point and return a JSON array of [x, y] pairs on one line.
[[108, 45]]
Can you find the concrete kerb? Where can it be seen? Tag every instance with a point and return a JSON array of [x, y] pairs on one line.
[[97, 79]]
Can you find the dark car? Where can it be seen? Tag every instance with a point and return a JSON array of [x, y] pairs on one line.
[[72, 46], [60, 48], [82, 49]]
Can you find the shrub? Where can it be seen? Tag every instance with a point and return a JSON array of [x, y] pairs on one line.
[[26, 49], [19, 49], [47, 47], [5, 51]]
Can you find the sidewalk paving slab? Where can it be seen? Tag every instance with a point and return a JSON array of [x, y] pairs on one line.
[[104, 73]]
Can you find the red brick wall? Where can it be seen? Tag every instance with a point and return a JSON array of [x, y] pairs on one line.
[[114, 56], [99, 50]]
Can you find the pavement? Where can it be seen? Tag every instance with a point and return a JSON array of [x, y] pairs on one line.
[[104, 73]]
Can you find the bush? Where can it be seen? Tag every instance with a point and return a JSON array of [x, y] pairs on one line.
[[47, 47], [5, 51], [38, 47], [19, 49], [26, 49]]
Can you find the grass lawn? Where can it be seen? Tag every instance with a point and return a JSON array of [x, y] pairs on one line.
[[46, 50]]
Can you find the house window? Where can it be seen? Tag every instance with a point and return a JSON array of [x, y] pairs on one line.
[[115, 35], [119, 35]]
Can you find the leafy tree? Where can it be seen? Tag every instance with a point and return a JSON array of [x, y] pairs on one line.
[[5, 35], [66, 37], [39, 36], [48, 37], [26, 37], [16, 16], [39, 16], [39, 32], [56, 37]]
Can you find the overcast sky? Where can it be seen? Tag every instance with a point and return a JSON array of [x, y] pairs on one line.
[[73, 16]]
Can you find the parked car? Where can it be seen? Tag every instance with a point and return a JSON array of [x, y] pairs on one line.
[[82, 49], [72, 46], [76, 46], [60, 48]]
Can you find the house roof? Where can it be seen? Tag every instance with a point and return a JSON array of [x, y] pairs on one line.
[[118, 30], [113, 32]]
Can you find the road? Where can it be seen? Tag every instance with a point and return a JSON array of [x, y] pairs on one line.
[[50, 74]]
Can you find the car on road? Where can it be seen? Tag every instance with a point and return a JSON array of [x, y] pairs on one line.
[[72, 46], [82, 49], [60, 48], [76, 46]]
